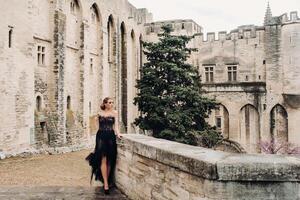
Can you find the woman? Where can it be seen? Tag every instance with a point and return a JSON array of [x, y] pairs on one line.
[[103, 159]]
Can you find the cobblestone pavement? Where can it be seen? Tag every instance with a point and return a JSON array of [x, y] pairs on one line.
[[64, 176]]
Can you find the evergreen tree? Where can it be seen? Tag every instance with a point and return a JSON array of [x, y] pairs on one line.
[[170, 98]]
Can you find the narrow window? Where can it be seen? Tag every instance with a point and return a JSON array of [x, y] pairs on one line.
[[246, 78], [229, 73], [43, 55], [41, 51], [38, 103], [43, 126], [264, 62], [72, 7], [10, 38], [218, 122], [39, 54], [90, 107], [182, 26], [93, 15], [259, 77], [68, 102], [234, 74], [151, 29], [91, 65], [109, 41]]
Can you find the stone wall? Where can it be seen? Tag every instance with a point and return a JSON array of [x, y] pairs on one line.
[[151, 168]]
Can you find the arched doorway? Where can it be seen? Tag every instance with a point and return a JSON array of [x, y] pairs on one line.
[[279, 124], [249, 128], [222, 120]]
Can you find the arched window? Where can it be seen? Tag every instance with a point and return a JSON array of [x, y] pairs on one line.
[[38, 103], [124, 75], [110, 30], [140, 54], [94, 14]]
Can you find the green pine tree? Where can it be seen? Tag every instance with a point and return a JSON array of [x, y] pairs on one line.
[[170, 98]]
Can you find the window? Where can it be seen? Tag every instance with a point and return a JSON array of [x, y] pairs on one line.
[[91, 65], [209, 74], [151, 29], [93, 18], [72, 7], [232, 73], [10, 37], [93, 15], [246, 78], [90, 107], [264, 62], [218, 122], [182, 26], [38, 103], [41, 55], [68, 102]]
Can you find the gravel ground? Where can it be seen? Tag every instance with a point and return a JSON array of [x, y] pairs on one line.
[[68, 169]]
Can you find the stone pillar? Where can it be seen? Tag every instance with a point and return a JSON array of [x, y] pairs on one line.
[[57, 102], [84, 82]]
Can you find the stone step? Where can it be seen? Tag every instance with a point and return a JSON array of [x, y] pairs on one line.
[[58, 193]]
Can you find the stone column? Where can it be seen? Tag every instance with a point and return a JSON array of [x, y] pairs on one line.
[[57, 102], [84, 81]]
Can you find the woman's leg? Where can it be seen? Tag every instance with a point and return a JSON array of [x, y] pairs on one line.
[[108, 170], [104, 172]]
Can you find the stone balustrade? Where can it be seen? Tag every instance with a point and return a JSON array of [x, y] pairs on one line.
[[151, 168]]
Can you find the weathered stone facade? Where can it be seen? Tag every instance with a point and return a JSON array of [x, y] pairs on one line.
[[60, 58]]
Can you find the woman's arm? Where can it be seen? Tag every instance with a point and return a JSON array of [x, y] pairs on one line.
[[96, 118], [116, 125]]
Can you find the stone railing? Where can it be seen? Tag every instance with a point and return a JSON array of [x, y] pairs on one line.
[[151, 168]]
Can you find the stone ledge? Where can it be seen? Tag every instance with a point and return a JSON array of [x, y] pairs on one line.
[[214, 165]]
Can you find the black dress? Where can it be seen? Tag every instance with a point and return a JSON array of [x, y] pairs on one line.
[[105, 146]]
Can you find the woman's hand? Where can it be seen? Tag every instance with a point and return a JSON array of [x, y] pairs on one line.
[[119, 135]]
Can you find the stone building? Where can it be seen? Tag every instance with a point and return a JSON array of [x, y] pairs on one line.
[[254, 73], [60, 58]]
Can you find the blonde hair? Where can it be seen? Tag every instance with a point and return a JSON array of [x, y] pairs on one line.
[[105, 100]]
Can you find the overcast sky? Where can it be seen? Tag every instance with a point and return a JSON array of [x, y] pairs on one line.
[[217, 15]]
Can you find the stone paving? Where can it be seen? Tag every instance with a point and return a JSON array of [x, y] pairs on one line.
[[64, 176]]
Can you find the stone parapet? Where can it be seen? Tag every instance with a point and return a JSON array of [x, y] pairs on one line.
[[151, 168]]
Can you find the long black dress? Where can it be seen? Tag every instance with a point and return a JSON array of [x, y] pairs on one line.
[[105, 146]]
